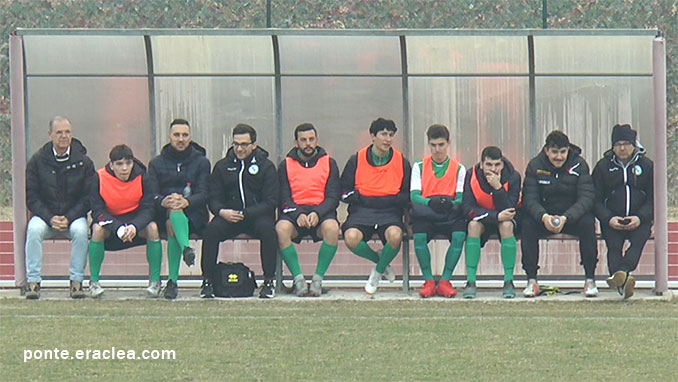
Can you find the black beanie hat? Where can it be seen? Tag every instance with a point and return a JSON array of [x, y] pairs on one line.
[[623, 133]]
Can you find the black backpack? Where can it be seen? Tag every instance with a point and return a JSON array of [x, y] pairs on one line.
[[234, 280]]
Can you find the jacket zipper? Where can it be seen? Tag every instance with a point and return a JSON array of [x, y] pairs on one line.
[[242, 190]]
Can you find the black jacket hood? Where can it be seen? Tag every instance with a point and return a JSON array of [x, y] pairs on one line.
[[194, 147], [78, 151], [294, 154], [257, 155], [138, 169]]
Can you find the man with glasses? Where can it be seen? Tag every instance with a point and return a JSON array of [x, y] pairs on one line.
[[243, 196], [624, 205], [56, 176]]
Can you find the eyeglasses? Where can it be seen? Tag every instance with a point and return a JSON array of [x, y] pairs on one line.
[[622, 144], [241, 145]]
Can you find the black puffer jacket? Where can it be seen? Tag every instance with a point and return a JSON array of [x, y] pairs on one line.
[[501, 198], [250, 185], [624, 190], [566, 191], [59, 188], [171, 171], [332, 187], [139, 217]]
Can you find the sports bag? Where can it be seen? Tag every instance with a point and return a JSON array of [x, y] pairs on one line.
[[234, 280]]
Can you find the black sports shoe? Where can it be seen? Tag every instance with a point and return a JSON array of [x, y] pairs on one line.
[[207, 291], [267, 289], [171, 290], [189, 256]]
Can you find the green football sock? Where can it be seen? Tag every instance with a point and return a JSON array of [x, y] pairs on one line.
[[363, 250], [508, 256], [154, 257], [173, 258], [96, 258], [290, 257], [180, 227], [387, 255], [423, 255], [325, 256], [472, 257], [453, 254]]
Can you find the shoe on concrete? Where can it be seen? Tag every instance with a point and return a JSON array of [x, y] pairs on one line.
[[300, 287], [189, 256], [428, 289], [267, 289], [470, 290], [617, 279], [154, 288], [373, 281], [445, 289], [316, 288], [206, 290], [628, 286], [76, 290], [389, 274], [532, 288], [508, 291], [590, 288], [95, 290], [33, 292], [171, 290]]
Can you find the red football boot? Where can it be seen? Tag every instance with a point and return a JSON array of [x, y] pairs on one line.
[[428, 289], [445, 289]]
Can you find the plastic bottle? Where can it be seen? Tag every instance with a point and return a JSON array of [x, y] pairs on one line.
[[187, 190]]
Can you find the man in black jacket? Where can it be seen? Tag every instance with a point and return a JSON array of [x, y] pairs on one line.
[[243, 196], [122, 210], [558, 197], [309, 196], [491, 196], [624, 204], [179, 178], [56, 176]]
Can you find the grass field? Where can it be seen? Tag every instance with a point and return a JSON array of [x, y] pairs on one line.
[[345, 340]]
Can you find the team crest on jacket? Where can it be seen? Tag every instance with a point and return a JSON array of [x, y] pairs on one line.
[[637, 170], [254, 169]]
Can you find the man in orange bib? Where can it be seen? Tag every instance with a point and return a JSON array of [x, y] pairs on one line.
[[122, 209], [436, 190], [491, 196], [376, 181], [309, 196]]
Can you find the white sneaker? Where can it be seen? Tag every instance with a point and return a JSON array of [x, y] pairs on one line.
[[373, 281], [532, 288], [153, 289], [389, 274], [590, 288], [95, 290]]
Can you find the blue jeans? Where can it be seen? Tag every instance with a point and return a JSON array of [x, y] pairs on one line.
[[38, 230]]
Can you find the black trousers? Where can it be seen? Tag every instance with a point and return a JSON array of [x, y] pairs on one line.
[[219, 230], [614, 240], [584, 229]]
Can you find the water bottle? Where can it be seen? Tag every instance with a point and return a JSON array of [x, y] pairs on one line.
[[187, 190], [555, 221]]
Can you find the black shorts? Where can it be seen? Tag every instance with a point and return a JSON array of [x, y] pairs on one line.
[[309, 232], [432, 229], [491, 229], [113, 243], [369, 230]]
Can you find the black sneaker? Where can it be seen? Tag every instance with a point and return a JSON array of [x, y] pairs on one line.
[[189, 256], [207, 291], [267, 289], [33, 292], [171, 290]]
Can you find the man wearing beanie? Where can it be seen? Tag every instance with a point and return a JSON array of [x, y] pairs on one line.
[[624, 204], [558, 197]]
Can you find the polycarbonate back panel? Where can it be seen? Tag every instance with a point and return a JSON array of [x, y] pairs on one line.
[[104, 112], [78, 55], [212, 54], [213, 106]]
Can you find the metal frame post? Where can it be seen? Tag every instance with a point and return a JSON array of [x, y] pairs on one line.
[[661, 257]]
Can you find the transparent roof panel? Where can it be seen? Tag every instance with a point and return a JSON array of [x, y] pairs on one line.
[[212, 54], [78, 55], [593, 54], [467, 54], [340, 55]]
